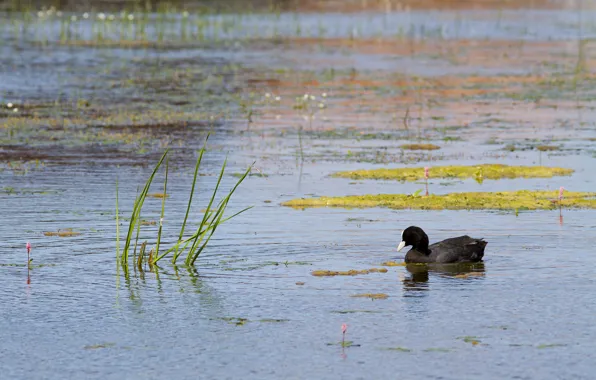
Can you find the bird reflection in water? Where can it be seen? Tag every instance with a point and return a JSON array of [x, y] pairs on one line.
[[419, 274]]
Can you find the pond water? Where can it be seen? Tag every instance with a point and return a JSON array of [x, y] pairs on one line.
[[251, 308]]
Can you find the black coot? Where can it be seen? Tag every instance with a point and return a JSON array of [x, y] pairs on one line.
[[462, 249]]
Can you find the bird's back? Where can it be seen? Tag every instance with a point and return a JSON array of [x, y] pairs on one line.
[[460, 249]]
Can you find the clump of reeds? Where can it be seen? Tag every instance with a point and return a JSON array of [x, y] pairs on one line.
[[193, 245]]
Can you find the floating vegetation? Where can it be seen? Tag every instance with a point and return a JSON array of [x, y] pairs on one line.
[[473, 340], [507, 200], [468, 275], [437, 349], [352, 272], [272, 320], [261, 175], [353, 311], [553, 345], [158, 195], [393, 264], [374, 296], [235, 321], [242, 321], [547, 148], [399, 349], [100, 345], [485, 171], [62, 233], [419, 147], [300, 283], [31, 266], [196, 243], [344, 343]]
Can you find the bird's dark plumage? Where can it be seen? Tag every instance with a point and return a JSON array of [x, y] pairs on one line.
[[462, 249]]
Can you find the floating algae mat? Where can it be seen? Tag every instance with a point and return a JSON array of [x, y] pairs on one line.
[[420, 147], [478, 172], [374, 296], [506, 200], [353, 272]]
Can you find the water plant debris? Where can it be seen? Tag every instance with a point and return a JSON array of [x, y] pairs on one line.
[[374, 296], [506, 200], [485, 171], [352, 272]]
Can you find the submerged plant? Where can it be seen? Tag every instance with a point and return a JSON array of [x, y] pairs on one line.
[[193, 245]]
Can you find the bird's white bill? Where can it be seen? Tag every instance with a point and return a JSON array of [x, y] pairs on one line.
[[401, 246]]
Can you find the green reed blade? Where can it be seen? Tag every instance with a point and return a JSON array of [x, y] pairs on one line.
[[163, 207], [192, 191], [137, 210], [117, 225], [217, 218], [205, 215]]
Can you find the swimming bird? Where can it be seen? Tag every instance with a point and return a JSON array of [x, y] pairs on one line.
[[462, 249]]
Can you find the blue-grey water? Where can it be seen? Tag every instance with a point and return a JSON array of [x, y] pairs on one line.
[[251, 308]]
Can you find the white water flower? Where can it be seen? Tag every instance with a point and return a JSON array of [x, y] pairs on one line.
[[40, 14], [305, 96], [185, 14], [131, 17], [267, 95], [85, 15], [278, 98], [9, 105], [312, 97], [321, 105], [73, 18], [101, 16], [111, 17], [15, 110], [324, 94], [59, 13]]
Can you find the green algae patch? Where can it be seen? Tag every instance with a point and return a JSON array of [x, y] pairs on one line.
[[398, 349], [547, 148], [420, 147], [478, 172], [393, 264], [62, 233], [352, 272], [506, 200], [344, 343], [374, 296], [98, 346]]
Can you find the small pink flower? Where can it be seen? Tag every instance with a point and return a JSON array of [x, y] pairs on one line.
[[561, 189], [426, 172], [344, 328], [28, 247]]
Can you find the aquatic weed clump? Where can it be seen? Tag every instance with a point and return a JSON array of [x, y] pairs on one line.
[[420, 147], [478, 172], [505, 200], [193, 245], [352, 272]]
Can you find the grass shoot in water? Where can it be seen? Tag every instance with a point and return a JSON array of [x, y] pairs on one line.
[[194, 245]]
